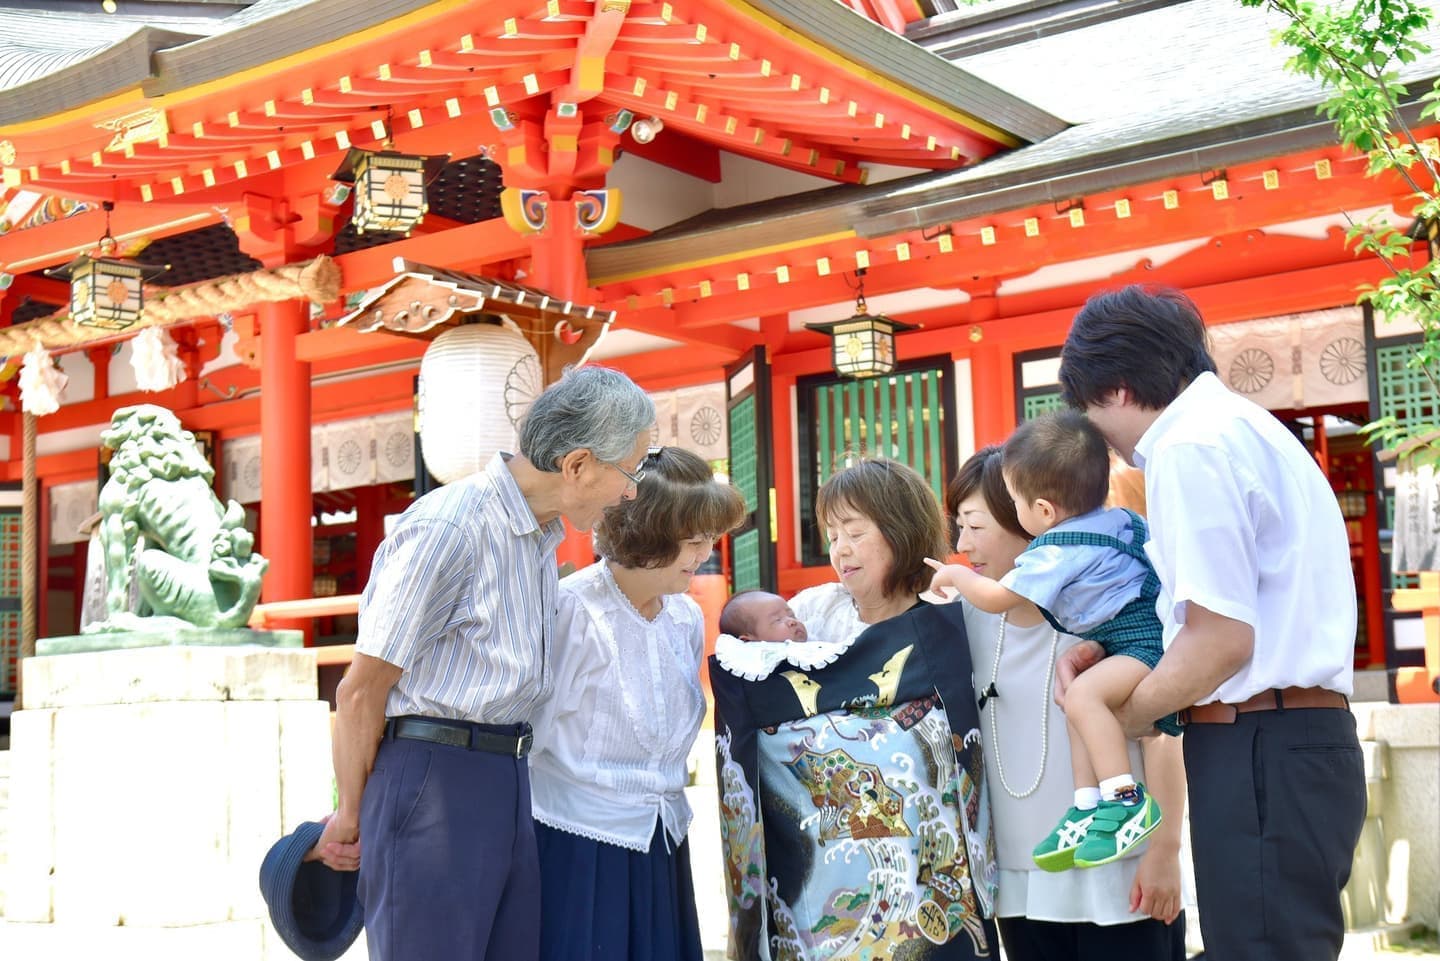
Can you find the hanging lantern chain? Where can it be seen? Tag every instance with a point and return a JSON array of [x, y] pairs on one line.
[[107, 239]]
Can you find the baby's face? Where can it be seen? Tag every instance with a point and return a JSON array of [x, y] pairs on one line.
[[772, 620]]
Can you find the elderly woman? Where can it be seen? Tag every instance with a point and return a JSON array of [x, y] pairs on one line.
[[853, 811], [1122, 909], [609, 766]]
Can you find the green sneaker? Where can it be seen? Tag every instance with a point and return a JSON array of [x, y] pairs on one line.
[[1118, 826], [1057, 851]]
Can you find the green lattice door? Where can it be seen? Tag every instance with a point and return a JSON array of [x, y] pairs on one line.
[[752, 547], [1403, 392], [9, 597], [901, 416]]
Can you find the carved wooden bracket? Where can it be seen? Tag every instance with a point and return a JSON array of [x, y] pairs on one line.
[[421, 301]]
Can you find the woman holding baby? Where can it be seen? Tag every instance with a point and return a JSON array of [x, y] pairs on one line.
[[853, 803], [608, 768]]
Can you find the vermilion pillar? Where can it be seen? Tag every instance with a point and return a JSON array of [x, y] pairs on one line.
[[557, 254], [992, 386], [285, 534]]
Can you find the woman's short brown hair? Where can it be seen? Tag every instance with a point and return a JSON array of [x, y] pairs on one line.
[[902, 507], [678, 498]]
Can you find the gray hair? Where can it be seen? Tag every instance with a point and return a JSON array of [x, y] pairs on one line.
[[594, 408]]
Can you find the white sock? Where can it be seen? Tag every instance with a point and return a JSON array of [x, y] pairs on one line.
[[1111, 787], [1087, 798]]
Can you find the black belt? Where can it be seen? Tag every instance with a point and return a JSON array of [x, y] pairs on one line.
[[491, 738]]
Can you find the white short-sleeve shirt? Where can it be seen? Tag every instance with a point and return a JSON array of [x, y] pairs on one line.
[[1243, 523]]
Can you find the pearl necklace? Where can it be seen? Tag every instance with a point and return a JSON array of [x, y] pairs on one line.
[[1044, 711]]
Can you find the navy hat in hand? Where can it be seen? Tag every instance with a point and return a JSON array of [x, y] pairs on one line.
[[313, 908]]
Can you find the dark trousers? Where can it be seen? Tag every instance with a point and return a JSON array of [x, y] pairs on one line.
[[1145, 940], [448, 864], [1277, 800]]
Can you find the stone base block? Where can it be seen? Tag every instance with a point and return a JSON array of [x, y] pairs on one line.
[[170, 674], [4, 823], [229, 941], [166, 637], [158, 813], [30, 862], [276, 950], [1363, 900]]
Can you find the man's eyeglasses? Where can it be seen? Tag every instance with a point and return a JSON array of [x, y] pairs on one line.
[[639, 474]]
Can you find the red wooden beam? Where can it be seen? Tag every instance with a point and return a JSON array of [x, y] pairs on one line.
[[23, 251], [679, 151], [675, 367], [465, 248], [334, 343], [1013, 253]]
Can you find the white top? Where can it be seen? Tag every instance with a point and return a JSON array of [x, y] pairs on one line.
[[462, 597], [1243, 523], [828, 611], [611, 744], [1098, 895]]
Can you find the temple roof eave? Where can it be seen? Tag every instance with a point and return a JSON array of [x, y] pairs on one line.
[[1041, 174], [864, 41], [307, 25], [154, 62], [125, 66]]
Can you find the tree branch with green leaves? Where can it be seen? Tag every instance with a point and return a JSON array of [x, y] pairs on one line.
[[1356, 51]]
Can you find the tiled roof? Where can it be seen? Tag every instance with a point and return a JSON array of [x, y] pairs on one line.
[[1188, 84]]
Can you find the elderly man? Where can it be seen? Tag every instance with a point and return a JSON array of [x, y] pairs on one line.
[[1258, 603], [431, 727]]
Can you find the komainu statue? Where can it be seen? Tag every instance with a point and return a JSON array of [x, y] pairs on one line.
[[164, 531]]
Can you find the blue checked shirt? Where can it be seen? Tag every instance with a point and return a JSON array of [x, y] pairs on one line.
[[462, 598]]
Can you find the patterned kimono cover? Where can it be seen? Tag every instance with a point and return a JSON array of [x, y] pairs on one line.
[[854, 815]]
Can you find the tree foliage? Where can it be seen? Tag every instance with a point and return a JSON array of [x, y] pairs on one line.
[[1356, 49]]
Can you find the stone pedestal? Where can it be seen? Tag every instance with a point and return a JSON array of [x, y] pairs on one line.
[[146, 786], [1399, 857]]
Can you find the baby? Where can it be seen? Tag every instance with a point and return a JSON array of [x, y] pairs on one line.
[[761, 616], [759, 634]]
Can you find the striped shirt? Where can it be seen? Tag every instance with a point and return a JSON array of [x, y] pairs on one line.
[[462, 598]]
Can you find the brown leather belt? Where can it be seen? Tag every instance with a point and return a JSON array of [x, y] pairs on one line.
[[1282, 699]]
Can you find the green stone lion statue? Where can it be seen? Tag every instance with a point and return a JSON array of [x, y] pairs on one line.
[[167, 540]]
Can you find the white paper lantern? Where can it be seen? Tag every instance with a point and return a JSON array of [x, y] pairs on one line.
[[476, 382]]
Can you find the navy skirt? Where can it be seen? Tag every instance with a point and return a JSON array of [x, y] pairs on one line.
[[600, 902]]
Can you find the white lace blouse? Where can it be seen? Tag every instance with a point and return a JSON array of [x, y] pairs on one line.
[[611, 743]]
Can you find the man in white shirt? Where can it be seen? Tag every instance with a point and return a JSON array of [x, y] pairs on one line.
[[1258, 603], [452, 659]]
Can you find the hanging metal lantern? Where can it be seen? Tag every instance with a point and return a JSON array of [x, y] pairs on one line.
[[864, 345], [106, 291], [390, 187]]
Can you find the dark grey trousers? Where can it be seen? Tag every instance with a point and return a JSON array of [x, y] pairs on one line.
[[1277, 800], [1144, 940], [449, 869]]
